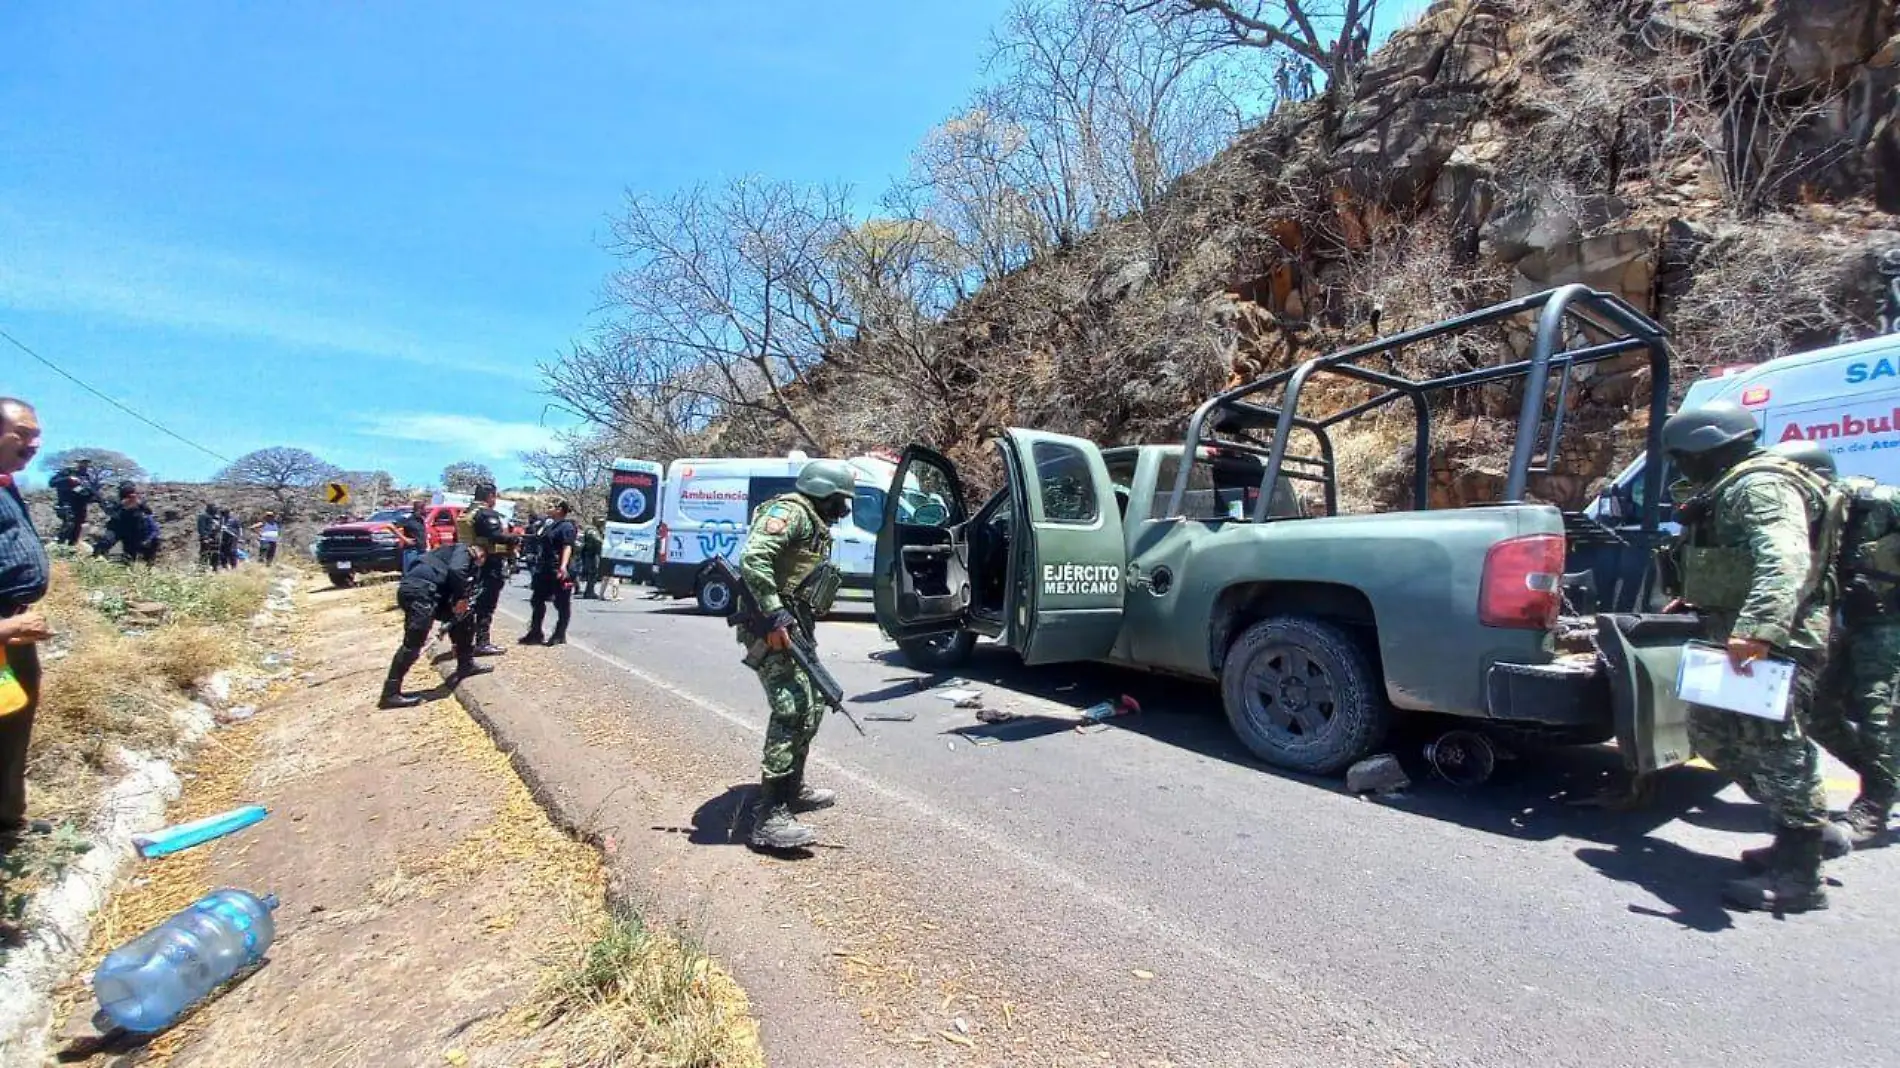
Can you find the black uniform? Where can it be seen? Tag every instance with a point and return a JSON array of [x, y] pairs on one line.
[[74, 492], [490, 531], [210, 533], [428, 594], [135, 530], [417, 532], [228, 540], [551, 583]]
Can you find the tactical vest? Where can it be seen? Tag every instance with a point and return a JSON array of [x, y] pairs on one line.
[[1869, 569], [815, 551], [1718, 578], [465, 534]]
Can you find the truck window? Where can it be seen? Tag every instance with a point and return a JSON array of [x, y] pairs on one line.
[[1223, 489], [867, 509], [1068, 490]]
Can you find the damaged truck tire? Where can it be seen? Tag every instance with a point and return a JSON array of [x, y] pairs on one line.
[[1302, 695], [940, 652]]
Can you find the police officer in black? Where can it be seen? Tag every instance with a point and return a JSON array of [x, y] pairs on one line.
[[436, 588], [75, 488], [414, 531], [132, 527], [553, 577], [491, 533]]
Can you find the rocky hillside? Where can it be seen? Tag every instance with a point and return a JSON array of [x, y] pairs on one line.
[[1727, 165]]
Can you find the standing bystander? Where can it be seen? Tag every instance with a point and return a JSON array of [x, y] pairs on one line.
[[268, 532], [552, 579], [413, 532], [24, 573]]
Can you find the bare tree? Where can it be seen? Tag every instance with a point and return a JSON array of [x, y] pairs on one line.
[[285, 473], [107, 466], [1333, 36], [575, 470], [463, 476]]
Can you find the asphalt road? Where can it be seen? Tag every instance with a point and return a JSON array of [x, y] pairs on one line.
[[1288, 922]]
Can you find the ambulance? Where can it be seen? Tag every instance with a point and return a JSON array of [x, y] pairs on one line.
[[1845, 397], [706, 507]]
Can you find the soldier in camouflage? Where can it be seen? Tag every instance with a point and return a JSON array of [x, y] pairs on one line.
[[790, 537], [1758, 532], [1853, 715]]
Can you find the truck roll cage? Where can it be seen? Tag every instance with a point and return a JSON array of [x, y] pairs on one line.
[[1235, 420]]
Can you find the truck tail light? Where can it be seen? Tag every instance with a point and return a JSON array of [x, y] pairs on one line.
[[1523, 583], [659, 545]]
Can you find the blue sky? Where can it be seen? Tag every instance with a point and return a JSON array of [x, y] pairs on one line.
[[354, 228]]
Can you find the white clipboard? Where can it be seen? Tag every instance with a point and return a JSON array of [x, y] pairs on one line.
[[1706, 677]]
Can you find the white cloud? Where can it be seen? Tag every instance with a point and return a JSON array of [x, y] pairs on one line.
[[48, 267], [473, 436]]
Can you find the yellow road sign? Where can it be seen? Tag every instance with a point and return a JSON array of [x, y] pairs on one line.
[[336, 493]]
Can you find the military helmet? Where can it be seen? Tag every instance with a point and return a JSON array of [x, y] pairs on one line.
[[824, 479], [1808, 454], [1716, 425]]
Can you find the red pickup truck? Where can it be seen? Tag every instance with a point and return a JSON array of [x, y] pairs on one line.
[[346, 550]]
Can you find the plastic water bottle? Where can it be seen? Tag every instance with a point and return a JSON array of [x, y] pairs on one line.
[[148, 983]]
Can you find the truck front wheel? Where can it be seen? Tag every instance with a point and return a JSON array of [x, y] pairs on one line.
[[342, 579], [1302, 695]]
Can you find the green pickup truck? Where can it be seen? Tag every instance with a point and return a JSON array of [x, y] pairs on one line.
[[1318, 628]]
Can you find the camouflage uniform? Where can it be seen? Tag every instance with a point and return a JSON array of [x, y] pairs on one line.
[[1750, 566], [1854, 718], [787, 541]]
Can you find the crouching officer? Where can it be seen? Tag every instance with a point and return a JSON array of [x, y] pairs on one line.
[[435, 589], [483, 527], [1853, 715], [789, 539], [1759, 533]]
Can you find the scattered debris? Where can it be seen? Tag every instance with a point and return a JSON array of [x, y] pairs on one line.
[[1381, 773], [239, 714], [993, 715], [894, 715], [183, 836], [1090, 728], [1141, 973], [1125, 706], [1462, 757], [973, 701], [957, 697], [216, 690]]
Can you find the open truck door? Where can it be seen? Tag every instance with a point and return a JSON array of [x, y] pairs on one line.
[[1641, 654], [921, 574], [1069, 570]]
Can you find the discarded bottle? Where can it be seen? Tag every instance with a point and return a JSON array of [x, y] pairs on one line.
[[148, 983]]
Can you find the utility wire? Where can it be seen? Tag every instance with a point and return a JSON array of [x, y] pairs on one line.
[[68, 376]]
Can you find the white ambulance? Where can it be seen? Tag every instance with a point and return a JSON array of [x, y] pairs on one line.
[[706, 506], [1846, 397]]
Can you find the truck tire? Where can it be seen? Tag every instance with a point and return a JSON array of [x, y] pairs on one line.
[[342, 579], [941, 652], [1302, 695], [714, 595]]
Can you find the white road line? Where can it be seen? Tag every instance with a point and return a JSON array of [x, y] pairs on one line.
[[1193, 938]]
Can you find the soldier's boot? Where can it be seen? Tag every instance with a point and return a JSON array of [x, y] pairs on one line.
[[1865, 822], [1793, 884], [776, 828], [806, 798], [1835, 844], [469, 667], [484, 647], [393, 697]]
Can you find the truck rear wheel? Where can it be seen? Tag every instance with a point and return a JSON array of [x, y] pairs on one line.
[[342, 579], [939, 652], [1302, 695]]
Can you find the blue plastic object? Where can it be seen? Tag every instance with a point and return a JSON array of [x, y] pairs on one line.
[[148, 983], [185, 835]]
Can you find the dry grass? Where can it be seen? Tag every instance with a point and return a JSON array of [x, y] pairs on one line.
[[630, 995], [107, 688]]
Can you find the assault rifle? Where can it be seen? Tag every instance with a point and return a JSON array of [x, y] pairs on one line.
[[753, 622]]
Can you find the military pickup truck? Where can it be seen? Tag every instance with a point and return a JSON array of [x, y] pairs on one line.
[[1200, 559]]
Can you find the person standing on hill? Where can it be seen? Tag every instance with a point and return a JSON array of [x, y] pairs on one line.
[[133, 528], [24, 574], [268, 532], [552, 579], [75, 489], [210, 532], [229, 531]]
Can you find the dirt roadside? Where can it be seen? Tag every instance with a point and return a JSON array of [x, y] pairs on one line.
[[428, 905]]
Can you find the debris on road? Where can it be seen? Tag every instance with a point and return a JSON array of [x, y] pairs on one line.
[[895, 715], [1125, 706], [993, 715], [957, 697], [1381, 774], [1462, 758]]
